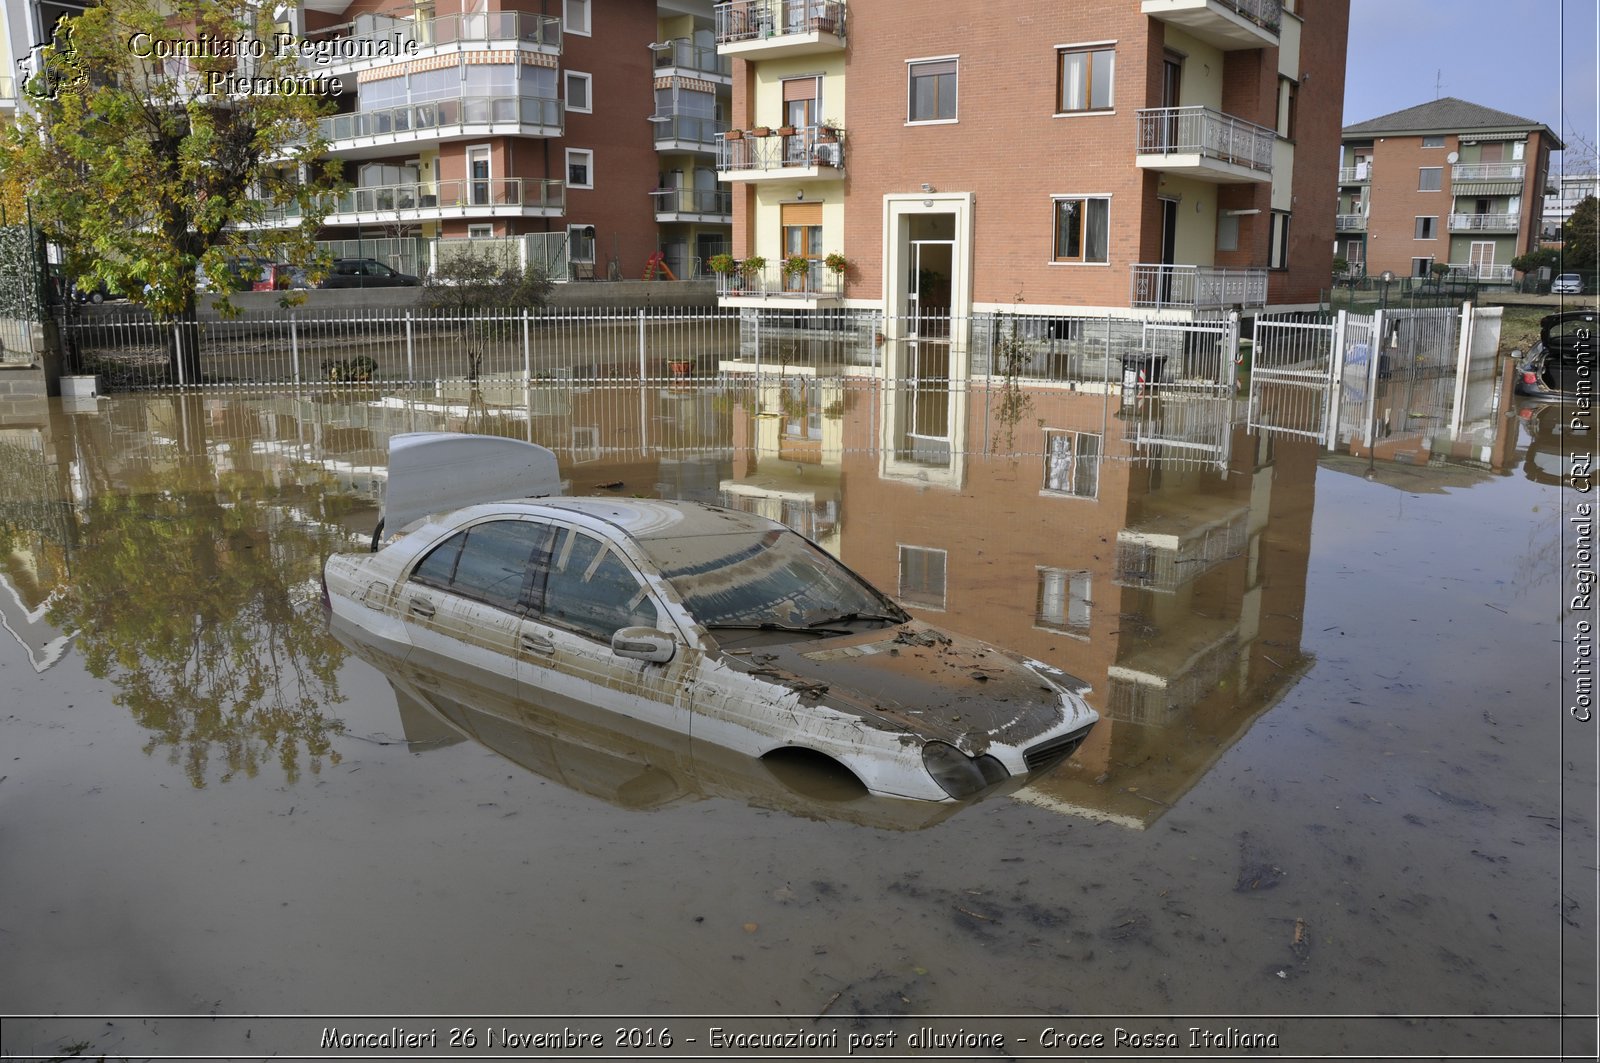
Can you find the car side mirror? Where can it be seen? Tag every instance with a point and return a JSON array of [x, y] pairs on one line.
[[644, 644]]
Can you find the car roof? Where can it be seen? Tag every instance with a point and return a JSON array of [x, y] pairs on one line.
[[654, 518]]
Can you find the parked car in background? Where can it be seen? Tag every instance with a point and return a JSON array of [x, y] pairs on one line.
[[1567, 284], [720, 625], [1563, 355], [366, 273]]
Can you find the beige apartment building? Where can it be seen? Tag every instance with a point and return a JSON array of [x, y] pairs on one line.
[[1137, 157], [1447, 182]]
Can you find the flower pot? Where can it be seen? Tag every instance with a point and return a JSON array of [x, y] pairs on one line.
[[761, 131], [786, 131], [733, 134]]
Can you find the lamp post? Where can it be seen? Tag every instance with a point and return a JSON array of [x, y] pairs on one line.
[[1388, 278]]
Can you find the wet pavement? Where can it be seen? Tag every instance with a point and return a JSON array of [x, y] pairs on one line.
[[1334, 776]]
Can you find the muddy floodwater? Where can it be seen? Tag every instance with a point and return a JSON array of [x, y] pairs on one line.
[[1336, 803]]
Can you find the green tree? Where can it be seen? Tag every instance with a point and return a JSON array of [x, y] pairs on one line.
[[1580, 238], [142, 168]]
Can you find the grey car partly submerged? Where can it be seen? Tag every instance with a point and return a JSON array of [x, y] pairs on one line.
[[718, 624]]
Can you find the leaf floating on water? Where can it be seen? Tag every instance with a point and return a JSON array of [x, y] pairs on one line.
[[751, 928]]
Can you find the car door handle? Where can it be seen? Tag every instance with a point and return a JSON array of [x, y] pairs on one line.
[[422, 607], [537, 644]]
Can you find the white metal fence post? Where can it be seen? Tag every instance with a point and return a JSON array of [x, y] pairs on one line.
[[1458, 400], [411, 375], [1330, 418], [527, 352], [642, 372], [177, 343], [294, 348], [1380, 324]]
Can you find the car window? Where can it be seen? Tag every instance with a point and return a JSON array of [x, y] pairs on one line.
[[591, 590], [349, 269], [378, 269], [491, 562]]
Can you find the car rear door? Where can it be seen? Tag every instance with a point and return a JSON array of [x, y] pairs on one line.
[[583, 590]]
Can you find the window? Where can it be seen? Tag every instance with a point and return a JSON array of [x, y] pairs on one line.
[[1421, 266], [1084, 79], [1064, 601], [932, 95], [1278, 249], [580, 168], [1082, 230], [922, 576], [488, 562], [1072, 463], [1427, 229], [1227, 232], [1518, 147], [575, 17], [580, 243], [1433, 142], [1287, 90], [591, 590], [578, 92], [1430, 178], [480, 232]]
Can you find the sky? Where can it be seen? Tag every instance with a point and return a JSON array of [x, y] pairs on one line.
[[1511, 55]]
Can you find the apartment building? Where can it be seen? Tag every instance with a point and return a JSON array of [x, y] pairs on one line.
[[1563, 193], [1448, 182], [590, 123], [1141, 157]]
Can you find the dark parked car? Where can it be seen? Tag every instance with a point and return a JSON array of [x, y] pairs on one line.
[[366, 273], [1562, 356]]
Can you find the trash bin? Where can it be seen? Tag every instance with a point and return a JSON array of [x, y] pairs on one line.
[[1141, 370]]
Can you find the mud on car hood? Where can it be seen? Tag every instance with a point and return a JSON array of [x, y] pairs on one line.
[[916, 678]]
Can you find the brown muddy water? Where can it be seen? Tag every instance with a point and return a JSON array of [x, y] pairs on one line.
[[1336, 805]]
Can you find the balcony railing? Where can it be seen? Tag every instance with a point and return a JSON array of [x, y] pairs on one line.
[[1268, 14], [1207, 133], [1350, 222], [673, 129], [694, 201], [422, 201], [445, 116], [1195, 287], [773, 282], [688, 57], [1501, 274], [807, 148], [1355, 175], [362, 38], [1487, 223], [1486, 171], [751, 20]]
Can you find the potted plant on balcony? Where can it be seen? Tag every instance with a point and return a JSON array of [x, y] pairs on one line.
[[786, 131], [761, 131], [836, 263], [828, 131], [723, 264], [750, 270], [796, 268], [733, 134]]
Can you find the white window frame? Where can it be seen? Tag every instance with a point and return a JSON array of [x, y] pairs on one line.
[[567, 172], [1077, 586], [910, 63], [480, 231], [1427, 269], [1437, 136], [900, 571], [1278, 240], [567, 25], [1055, 207], [1417, 225], [1072, 472], [567, 77]]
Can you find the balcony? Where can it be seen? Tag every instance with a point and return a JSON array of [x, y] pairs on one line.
[[1355, 175], [1350, 223], [769, 29], [1484, 223], [379, 40], [386, 204], [773, 286], [1485, 171], [1482, 272], [366, 134], [681, 58], [1230, 25], [1163, 287], [687, 132], [713, 205], [1205, 144], [807, 153]]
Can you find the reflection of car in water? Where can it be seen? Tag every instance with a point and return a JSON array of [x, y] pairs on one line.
[[1550, 442], [628, 763], [1560, 366], [722, 625]]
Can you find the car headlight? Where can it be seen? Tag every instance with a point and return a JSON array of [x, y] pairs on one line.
[[958, 774]]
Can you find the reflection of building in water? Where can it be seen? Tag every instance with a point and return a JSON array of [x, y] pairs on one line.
[[1174, 586]]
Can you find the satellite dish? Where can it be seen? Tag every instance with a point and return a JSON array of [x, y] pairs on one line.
[[1453, 158]]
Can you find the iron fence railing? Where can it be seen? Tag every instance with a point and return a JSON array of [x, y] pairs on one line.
[[739, 21], [1196, 287], [713, 201], [368, 34], [1268, 14], [809, 147], [537, 115], [775, 281], [1210, 134]]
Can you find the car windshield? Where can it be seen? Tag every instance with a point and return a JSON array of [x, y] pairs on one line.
[[764, 578]]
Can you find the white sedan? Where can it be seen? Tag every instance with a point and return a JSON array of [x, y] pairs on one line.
[[722, 625]]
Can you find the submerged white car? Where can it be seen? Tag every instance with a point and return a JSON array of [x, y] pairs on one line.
[[721, 625]]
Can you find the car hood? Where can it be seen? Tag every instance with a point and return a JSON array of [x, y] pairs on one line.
[[916, 678]]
